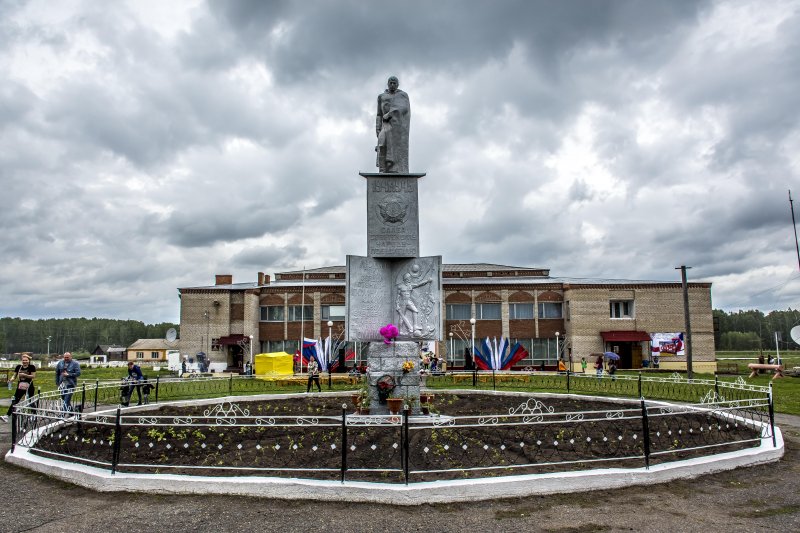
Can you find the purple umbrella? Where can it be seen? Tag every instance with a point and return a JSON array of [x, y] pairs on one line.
[[610, 355]]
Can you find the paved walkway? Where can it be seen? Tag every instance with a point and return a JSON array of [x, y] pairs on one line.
[[749, 499]]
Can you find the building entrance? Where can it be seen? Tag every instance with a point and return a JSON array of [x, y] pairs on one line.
[[630, 353]]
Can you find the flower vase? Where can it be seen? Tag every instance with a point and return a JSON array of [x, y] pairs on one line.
[[395, 404]]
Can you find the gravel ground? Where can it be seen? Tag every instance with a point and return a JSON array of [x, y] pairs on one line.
[[750, 499]]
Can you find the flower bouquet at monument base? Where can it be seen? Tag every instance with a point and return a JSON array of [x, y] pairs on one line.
[[408, 366]]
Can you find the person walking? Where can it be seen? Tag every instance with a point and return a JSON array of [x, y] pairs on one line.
[[67, 372], [584, 364], [136, 377], [598, 366], [313, 375], [23, 374]]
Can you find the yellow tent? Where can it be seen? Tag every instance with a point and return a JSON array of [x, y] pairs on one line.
[[276, 363]]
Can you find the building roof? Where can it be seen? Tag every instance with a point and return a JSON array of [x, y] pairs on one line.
[[150, 344], [470, 274]]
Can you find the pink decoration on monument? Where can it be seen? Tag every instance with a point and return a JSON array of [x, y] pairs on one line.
[[389, 332]]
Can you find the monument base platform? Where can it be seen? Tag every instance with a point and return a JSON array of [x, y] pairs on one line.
[[387, 360]]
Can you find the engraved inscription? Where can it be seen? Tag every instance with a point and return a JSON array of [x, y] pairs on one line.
[[394, 185]]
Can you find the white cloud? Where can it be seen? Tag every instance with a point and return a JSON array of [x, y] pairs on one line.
[[146, 146]]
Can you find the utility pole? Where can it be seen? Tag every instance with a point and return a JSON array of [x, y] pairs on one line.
[[794, 225], [685, 285]]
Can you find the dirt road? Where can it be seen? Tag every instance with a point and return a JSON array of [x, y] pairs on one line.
[[750, 499]]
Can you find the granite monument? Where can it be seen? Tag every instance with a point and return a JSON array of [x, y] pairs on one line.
[[393, 284]]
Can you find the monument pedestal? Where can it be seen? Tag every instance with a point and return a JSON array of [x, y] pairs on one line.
[[387, 360], [393, 285]]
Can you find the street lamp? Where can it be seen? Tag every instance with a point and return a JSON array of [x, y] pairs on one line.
[[251, 356], [49, 338], [558, 352], [474, 366], [330, 352], [452, 349]]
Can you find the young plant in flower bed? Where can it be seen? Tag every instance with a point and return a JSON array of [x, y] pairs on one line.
[[276, 443]]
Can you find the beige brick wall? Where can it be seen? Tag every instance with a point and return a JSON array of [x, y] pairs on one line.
[[252, 314], [196, 330], [657, 309]]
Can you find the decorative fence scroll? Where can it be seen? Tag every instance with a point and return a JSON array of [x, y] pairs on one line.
[[235, 437]]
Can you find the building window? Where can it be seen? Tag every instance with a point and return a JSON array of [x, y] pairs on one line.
[[550, 310], [291, 346], [215, 347], [333, 312], [272, 313], [300, 312], [274, 346], [153, 355], [520, 311], [622, 309], [487, 311], [458, 311], [139, 355]]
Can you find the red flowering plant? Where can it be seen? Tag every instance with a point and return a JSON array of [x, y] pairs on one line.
[[385, 385]]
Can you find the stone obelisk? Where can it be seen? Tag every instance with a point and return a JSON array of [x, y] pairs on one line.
[[393, 284]]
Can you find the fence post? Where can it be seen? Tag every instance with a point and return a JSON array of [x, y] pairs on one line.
[[13, 428], [716, 388], [645, 435], [474, 378], [330, 379], [117, 443], [230, 386], [96, 386], [157, 378], [640, 384], [568, 373], [83, 400], [404, 430], [772, 418], [344, 440]]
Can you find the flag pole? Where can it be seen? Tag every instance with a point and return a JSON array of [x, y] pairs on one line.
[[302, 318]]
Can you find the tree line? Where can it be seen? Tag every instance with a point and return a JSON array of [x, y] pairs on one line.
[[73, 334], [753, 330]]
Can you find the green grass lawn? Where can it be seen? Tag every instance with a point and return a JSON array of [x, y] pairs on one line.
[[45, 379], [786, 392]]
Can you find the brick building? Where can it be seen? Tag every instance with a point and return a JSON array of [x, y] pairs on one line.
[[148, 350], [526, 305]]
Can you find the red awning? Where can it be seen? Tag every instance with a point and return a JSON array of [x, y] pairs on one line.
[[231, 339], [625, 336]]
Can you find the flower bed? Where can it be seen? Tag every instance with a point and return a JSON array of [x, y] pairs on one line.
[[481, 435]]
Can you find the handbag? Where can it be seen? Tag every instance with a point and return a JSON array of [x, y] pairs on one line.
[[23, 385]]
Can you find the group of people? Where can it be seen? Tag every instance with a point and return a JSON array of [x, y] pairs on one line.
[[67, 371], [429, 362]]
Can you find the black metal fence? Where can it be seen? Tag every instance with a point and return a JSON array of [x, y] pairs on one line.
[[248, 438]]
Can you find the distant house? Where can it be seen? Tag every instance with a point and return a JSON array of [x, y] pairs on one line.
[[113, 352], [147, 350]]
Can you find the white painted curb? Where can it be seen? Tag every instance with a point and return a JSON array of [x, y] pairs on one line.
[[102, 480]]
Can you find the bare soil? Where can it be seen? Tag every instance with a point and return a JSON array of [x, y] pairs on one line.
[[374, 453], [757, 498]]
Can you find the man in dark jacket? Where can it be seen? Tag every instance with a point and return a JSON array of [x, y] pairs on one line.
[[67, 372], [135, 375]]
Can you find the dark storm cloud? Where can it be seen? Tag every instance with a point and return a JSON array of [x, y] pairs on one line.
[[598, 139], [262, 256], [227, 222], [349, 36]]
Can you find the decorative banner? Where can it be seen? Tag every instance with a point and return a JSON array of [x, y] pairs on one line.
[[492, 355], [666, 344]]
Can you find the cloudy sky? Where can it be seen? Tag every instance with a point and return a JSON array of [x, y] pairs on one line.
[[148, 145]]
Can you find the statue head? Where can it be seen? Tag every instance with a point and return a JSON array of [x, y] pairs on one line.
[[393, 83]]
